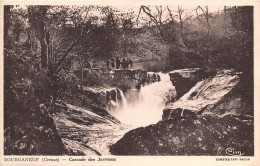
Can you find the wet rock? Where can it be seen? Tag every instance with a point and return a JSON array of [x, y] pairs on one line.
[[84, 132], [95, 115], [133, 74], [101, 95], [178, 112], [219, 95], [79, 149], [114, 95], [185, 79], [197, 135], [152, 77], [133, 79], [128, 78]]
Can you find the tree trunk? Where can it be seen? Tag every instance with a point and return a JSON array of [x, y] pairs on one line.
[[225, 26], [44, 54], [7, 22], [207, 19], [81, 77], [36, 15]]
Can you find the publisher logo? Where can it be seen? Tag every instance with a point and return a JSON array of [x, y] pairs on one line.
[[233, 152]]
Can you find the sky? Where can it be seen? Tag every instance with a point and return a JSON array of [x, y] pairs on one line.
[[143, 19], [188, 10]]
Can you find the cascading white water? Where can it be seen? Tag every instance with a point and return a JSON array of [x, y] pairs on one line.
[[123, 100], [148, 109]]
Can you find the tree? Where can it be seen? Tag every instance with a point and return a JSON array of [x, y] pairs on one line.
[[157, 21], [225, 20], [49, 59], [180, 12], [205, 13], [168, 28], [7, 15], [127, 25], [36, 15], [171, 32]]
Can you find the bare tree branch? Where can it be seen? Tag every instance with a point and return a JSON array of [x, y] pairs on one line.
[[180, 11], [206, 16], [138, 15], [170, 13], [159, 11], [68, 51], [198, 14], [73, 44], [148, 12]]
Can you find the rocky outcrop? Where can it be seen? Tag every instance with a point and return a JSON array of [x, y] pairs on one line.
[[212, 118], [32, 133], [103, 100], [198, 135], [133, 79], [124, 79], [120, 79], [152, 77], [219, 95], [128, 80], [185, 79], [84, 132], [29, 128], [101, 96]]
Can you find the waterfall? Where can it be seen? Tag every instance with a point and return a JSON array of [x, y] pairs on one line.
[[123, 100], [149, 107]]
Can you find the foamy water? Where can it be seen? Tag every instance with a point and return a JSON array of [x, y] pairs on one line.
[[149, 106]]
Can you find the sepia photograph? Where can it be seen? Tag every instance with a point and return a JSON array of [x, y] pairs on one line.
[[128, 80]]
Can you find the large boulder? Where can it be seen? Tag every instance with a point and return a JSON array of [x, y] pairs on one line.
[[185, 79], [101, 95], [198, 135], [219, 95], [83, 131], [32, 132], [29, 128]]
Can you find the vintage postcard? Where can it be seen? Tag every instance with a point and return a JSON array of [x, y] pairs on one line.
[[94, 83]]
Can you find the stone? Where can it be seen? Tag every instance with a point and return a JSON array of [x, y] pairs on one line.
[[185, 79], [101, 95], [219, 95], [33, 133], [198, 135]]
